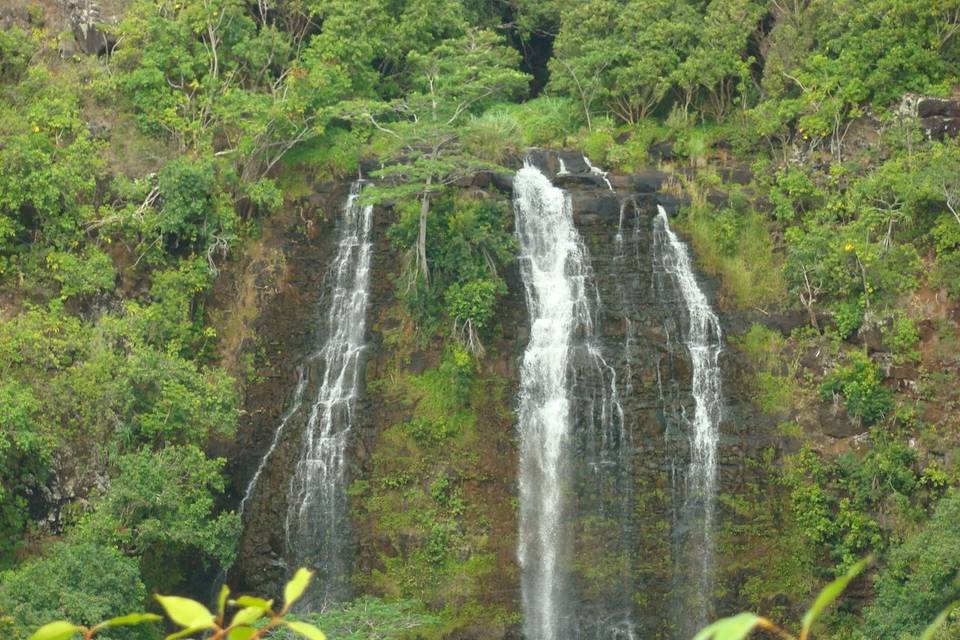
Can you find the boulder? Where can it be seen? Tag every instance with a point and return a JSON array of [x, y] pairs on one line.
[[938, 107], [87, 22], [835, 421], [938, 117]]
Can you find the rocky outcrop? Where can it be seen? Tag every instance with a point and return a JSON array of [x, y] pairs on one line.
[[938, 117], [89, 21], [638, 325]]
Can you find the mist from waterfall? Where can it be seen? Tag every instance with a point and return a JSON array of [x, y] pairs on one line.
[[317, 525], [696, 486]]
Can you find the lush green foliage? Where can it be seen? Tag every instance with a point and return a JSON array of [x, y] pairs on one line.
[[83, 582], [370, 618], [859, 382], [255, 617], [159, 507], [921, 578], [127, 180]]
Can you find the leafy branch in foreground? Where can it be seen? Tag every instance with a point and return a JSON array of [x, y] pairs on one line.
[[193, 617], [742, 625]]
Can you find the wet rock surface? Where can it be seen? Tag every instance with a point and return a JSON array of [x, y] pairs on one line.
[[640, 324]]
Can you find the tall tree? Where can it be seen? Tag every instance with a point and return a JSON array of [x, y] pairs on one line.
[[457, 78]]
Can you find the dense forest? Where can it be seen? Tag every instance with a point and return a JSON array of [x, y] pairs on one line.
[[159, 159]]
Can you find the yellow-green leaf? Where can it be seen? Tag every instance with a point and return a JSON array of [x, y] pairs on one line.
[[128, 620], [222, 599], [930, 631], [246, 616], [241, 633], [183, 633], [735, 627], [306, 630], [59, 630], [830, 593], [253, 601], [296, 586], [186, 612]]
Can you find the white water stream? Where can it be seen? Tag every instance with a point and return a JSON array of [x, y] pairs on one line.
[[317, 524], [703, 341]]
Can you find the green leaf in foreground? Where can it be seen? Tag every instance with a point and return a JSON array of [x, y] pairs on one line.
[[930, 631], [830, 593], [129, 620], [59, 630], [186, 633], [296, 586], [241, 633], [247, 616], [253, 601], [735, 627], [222, 599], [186, 612], [306, 630]]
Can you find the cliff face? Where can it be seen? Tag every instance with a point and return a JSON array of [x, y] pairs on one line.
[[436, 519]]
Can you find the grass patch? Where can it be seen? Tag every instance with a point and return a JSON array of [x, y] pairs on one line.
[[735, 243]]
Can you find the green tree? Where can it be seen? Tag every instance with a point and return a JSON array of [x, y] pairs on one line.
[[718, 67], [621, 55], [920, 577], [459, 77], [83, 582], [24, 461], [160, 508]]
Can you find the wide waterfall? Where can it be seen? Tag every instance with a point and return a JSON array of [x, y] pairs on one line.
[[317, 524], [694, 519], [573, 439]]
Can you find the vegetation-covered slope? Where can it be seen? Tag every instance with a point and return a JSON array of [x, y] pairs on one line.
[[816, 185]]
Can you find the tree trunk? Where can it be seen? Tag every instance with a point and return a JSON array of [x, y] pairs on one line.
[[422, 236]]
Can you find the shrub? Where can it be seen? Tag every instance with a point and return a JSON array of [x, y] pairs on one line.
[[81, 275], [24, 460], [903, 337], [860, 383], [193, 209], [494, 136], [471, 306], [920, 577], [16, 49], [160, 507], [848, 316], [794, 193], [83, 582]]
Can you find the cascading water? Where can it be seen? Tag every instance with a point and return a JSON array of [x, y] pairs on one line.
[[550, 255], [285, 420], [597, 171], [316, 525], [694, 520], [568, 396]]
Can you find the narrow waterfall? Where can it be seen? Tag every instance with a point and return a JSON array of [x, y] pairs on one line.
[[569, 404], [694, 519], [285, 421], [316, 525]]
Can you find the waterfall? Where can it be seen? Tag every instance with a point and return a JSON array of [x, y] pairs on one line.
[[694, 558], [597, 171], [285, 420], [316, 524], [568, 396]]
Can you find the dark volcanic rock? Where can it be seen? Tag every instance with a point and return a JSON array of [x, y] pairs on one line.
[[938, 117], [836, 422], [938, 107], [640, 323], [88, 20]]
